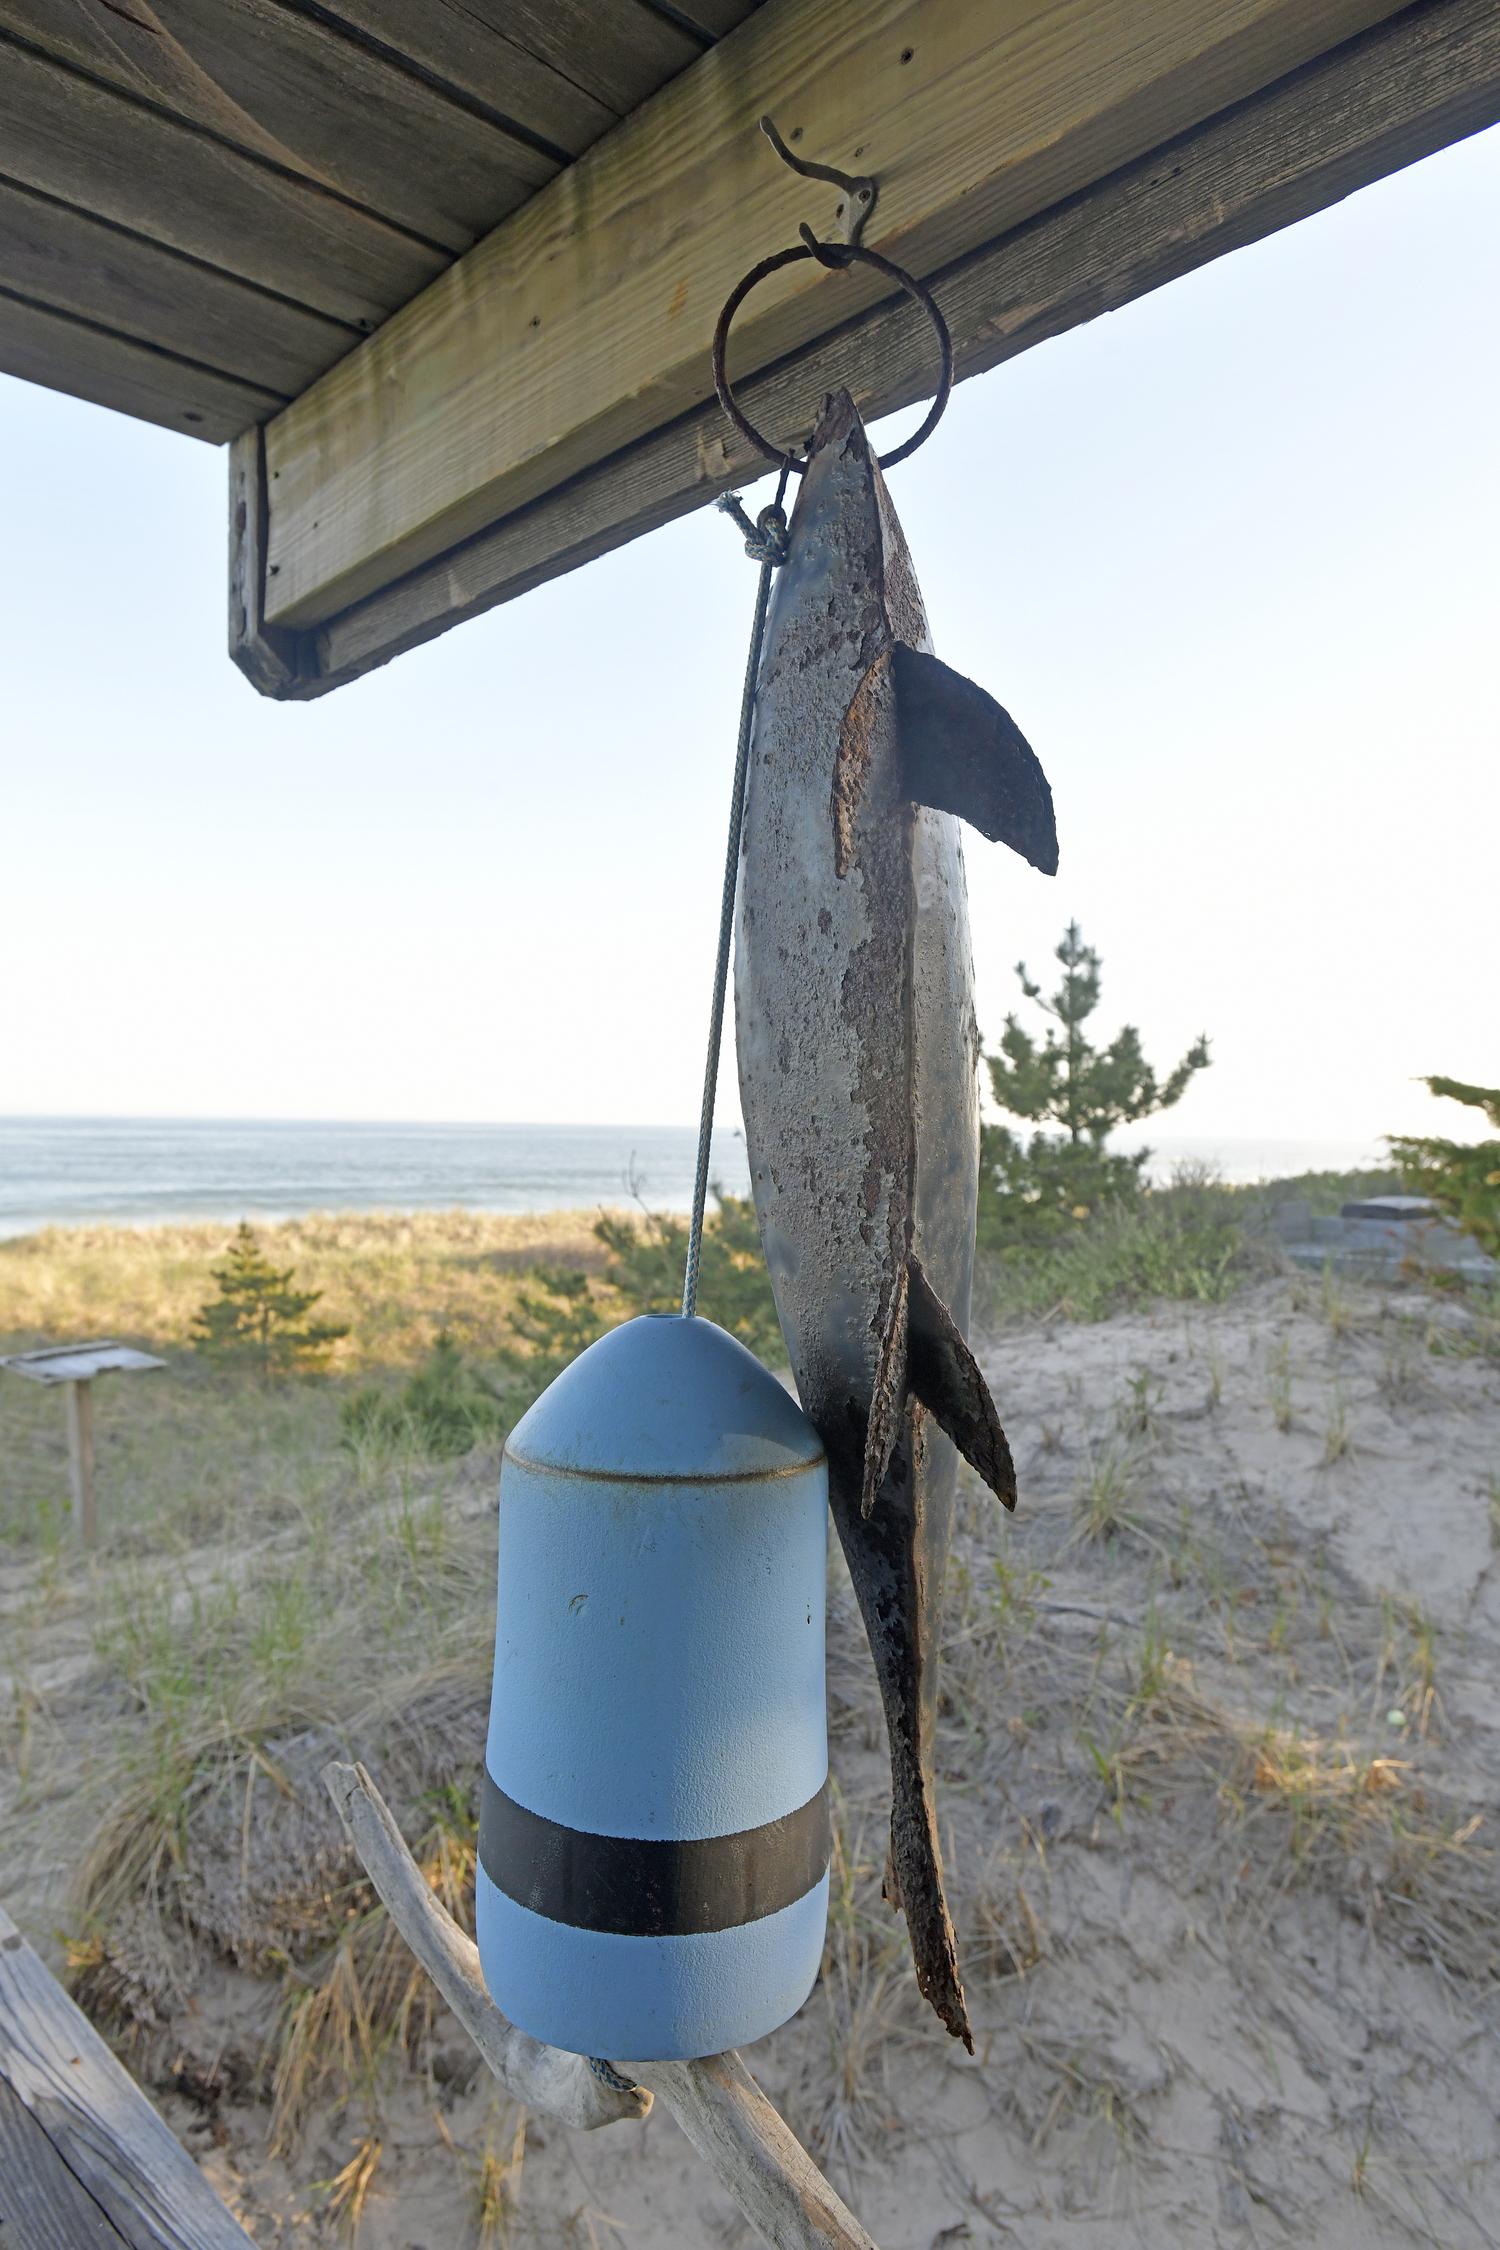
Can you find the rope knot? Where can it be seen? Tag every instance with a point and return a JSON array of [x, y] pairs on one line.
[[772, 542], [766, 539]]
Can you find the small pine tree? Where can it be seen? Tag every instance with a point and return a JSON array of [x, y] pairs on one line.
[[1463, 1178], [258, 1321], [1060, 1180]]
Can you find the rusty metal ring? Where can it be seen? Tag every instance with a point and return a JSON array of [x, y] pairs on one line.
[[836, 256]]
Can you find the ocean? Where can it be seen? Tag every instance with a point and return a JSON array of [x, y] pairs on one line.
[[74, 1171]]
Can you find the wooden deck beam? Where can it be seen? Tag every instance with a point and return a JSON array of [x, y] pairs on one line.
[[1040, 204]]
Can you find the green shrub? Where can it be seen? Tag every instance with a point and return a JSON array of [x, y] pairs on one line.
[[558, 1315], [555, 1318], [734, 1288], [1184, 1241], [448, 1406], [1463, 1178], [445, 1408]]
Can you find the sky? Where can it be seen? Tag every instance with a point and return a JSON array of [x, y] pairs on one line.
[[1228, 555]]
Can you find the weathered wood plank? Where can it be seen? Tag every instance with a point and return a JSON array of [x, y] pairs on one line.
[[714, 18], [620, 53], [490, 63], [283, 86], [274, 662], [85, 145], [1380, 102], [57, 256], [584, 322], [42, 2206], [382, 137], [97, 2118], [66, 354]]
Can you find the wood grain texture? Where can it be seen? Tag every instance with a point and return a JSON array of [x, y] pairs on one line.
[[1381, 102], [754, 2154], [490, 63], [66, 354], [279, 85], [97, 2118], [84, 145], [619, 53], [55, 255], [380, 136], [42, 2206], [276, 663], [80, 1410], [584, 322], [714, 18]]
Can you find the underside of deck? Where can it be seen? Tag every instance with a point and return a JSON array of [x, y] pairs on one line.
[[446, 272]]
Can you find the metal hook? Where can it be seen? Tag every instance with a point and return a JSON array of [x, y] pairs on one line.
[[860, 190]]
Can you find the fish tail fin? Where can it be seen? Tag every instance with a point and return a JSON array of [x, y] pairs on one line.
[[943, 1373]]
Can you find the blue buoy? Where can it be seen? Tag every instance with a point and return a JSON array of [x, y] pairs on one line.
[[653, 1844]]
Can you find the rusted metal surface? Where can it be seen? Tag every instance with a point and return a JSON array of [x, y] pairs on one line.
[[858, 1058]]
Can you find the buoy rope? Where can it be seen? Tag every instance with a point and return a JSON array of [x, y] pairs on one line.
[[765, 543]]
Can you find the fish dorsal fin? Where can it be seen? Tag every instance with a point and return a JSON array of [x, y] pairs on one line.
[[943, 1373], [923, 1355], [961, 753]]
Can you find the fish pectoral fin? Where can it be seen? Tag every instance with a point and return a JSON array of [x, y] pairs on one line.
[[889, 1401], [961, 753], [943, 1373]]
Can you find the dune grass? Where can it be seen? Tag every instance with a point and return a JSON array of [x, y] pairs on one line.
[[395, 1278], [1192, 1240]]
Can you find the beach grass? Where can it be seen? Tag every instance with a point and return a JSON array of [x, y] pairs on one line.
[[394, 1278]]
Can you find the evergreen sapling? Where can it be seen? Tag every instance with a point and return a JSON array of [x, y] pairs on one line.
[[1050, 1187], [258, 1321]]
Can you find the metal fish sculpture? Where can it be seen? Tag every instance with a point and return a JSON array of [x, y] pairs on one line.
[[858, 1063]]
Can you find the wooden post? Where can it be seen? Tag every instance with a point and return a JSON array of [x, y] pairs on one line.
[[81, 1460]]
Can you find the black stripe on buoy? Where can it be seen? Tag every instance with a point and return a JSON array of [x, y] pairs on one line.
[[646, 1886]]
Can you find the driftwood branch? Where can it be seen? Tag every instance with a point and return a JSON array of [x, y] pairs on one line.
[[754, 2155], [757, 2161], [544, 2078]]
